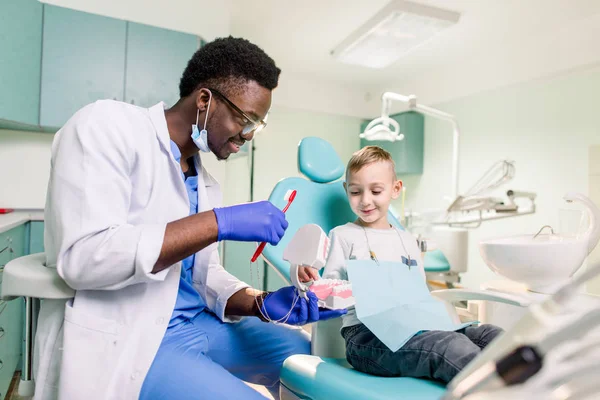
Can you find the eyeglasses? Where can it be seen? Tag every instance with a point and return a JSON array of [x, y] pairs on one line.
[[252, 125]]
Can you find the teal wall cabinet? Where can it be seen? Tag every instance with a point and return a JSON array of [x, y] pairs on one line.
[[20, 52], [156, 59], [83, 61]]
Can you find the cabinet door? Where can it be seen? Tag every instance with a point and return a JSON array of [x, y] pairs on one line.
[[156, 59], [21, 52], [36, 237], [83, 61], [11, 312]]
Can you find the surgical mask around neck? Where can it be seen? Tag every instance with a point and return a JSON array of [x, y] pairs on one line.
[[200, 137]]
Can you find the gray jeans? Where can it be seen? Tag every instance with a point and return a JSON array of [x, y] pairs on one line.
[[438, 355]]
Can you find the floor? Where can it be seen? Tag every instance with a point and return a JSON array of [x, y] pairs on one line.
[[261, 390], [12, 391]]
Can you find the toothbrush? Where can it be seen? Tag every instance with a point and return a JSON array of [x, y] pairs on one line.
[[289, 196]]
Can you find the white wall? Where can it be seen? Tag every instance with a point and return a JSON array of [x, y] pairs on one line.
[[25, 166], [546, 126], [309, 94], [208, 19]]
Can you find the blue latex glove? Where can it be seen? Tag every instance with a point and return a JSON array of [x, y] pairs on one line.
[[251, 222], [277, 305]]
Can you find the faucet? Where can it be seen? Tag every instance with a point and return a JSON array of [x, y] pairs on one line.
[[592, 235]]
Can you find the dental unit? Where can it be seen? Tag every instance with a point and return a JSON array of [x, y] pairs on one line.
[[545, 263], [325, 374]]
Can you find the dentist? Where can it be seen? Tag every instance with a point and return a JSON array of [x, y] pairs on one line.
[[132, 224]]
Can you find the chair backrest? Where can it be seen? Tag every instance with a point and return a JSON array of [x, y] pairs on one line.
[[320, 199]]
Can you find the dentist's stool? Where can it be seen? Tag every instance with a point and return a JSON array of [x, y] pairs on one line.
[[29, 277]]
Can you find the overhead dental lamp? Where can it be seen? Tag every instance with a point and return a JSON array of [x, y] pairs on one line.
[[386, 128], [477, 200]]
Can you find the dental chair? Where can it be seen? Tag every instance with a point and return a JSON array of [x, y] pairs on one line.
[[321, 200]]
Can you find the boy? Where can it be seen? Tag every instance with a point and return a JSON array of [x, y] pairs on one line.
[[371, 185]]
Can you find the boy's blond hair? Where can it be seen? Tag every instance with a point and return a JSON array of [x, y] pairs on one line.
[[368, 155]]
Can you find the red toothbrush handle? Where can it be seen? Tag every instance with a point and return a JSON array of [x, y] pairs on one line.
[[259, 250], [261, 247]]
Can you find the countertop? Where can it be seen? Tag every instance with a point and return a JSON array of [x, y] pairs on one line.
[[18, 217]]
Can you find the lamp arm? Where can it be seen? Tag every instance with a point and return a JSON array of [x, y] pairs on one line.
[[386, 99]]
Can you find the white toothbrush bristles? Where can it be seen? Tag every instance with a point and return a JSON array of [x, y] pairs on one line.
[[287, 195]]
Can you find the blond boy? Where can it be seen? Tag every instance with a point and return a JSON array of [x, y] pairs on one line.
[[371, 184]]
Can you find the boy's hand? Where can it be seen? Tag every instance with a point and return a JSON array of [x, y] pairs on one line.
[[307, 274]]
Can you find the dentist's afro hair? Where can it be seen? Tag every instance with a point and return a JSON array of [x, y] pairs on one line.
[[226, 64]]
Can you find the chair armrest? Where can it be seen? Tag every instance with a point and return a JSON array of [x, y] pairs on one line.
[[453, 295]]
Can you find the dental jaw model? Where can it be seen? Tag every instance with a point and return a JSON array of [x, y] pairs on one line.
[[333, 293], [309, 247]]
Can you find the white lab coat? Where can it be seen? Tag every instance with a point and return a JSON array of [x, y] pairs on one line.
[[113, 188]]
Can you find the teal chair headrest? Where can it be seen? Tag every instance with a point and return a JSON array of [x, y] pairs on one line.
[[318, 161]]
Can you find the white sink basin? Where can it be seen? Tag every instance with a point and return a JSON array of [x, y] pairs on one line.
[[543, 263]]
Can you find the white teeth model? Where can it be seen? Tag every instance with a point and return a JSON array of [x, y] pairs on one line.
[[334, 301]]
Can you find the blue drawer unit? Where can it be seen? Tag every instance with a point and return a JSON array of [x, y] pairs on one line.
[[15, 244]]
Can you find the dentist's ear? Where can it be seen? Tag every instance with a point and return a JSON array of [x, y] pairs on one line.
[[203, 98]]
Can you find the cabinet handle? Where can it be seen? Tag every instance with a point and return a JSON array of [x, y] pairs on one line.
[[2, 333], [8, 247], [1, 364]]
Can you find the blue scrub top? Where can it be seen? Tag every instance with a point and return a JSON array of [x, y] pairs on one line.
[[189, 302]]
